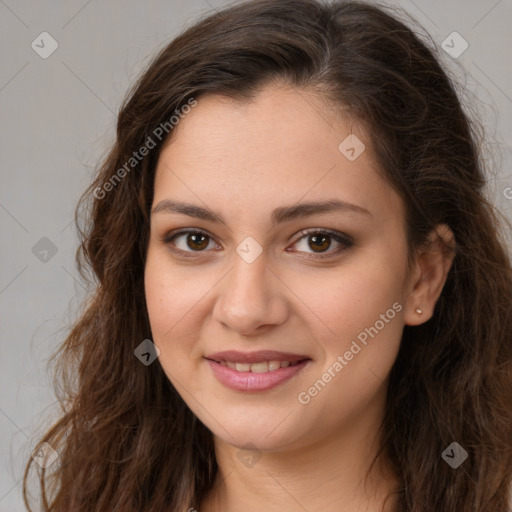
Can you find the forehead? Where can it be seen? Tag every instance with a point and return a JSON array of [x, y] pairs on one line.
[[283, 145], [280, 120]]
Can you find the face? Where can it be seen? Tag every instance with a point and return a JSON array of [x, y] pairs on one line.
[[314, 301]]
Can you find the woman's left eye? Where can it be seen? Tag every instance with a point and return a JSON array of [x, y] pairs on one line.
[[320, 240]]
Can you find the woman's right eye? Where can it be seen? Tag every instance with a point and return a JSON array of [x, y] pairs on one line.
[[187, 241]]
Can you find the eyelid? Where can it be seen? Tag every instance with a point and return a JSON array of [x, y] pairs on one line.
[[325, 231], [343, 239]]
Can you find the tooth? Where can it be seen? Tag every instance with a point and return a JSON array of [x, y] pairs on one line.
[[274, 365], [259, 367], [243, 367], [262, 367]]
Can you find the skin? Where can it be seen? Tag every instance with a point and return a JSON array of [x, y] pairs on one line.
[[243, 160]]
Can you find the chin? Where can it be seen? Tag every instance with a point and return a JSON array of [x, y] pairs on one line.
[[263, 436]]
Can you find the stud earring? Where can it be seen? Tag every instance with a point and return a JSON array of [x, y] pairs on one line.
[[419, 311]]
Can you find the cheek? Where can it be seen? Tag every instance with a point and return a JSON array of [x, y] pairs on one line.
[[349, 299], [175, 299], [358, 316], [171, 293], [160, 297], [363, 312], [168, 298]]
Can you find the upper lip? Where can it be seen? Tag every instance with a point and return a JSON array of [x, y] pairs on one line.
[[255, 357]]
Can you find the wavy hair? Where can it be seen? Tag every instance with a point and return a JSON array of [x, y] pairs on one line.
[[126, 439]]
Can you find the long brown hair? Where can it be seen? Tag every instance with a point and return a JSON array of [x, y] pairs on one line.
[[126, 440]]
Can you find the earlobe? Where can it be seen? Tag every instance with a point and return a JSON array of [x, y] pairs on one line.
[[429, 275]]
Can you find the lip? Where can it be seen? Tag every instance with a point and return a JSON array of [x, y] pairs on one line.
[[255, 357], [249, 381]]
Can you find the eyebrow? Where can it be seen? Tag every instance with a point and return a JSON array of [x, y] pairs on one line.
[[279, 215]]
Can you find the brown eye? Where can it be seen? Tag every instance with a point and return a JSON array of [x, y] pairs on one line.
[[196, 241], [318, 242], [188, 241]]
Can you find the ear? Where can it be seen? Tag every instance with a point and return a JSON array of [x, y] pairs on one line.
[[428, 275]]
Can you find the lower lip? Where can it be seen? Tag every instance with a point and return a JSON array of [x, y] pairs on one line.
[[249, 381]]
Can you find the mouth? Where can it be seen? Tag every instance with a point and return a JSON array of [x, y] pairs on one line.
[[255, 371], [261, 361], [262, 367]]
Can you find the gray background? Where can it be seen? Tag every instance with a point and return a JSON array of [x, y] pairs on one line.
[[57, 120]]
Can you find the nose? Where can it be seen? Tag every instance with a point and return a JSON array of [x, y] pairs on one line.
[[251, 298]]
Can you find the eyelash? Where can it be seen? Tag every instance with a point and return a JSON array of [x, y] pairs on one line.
[[345, 241]]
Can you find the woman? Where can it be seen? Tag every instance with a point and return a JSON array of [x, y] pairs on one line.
[[303, 300]]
